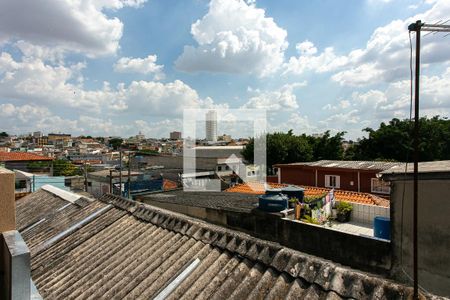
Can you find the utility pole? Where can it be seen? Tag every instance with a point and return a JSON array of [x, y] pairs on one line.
[[418, 26], [120, 172], [129, 176], [85, 177], [110, 182]]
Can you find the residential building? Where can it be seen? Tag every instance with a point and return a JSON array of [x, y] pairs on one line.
[[15, 265], [225, 137], [58, 137], [211, 126], [28, 162], [359, 176], [175, 135]]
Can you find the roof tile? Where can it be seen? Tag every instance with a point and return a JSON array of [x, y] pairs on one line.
[[255, 188], [22, 156]]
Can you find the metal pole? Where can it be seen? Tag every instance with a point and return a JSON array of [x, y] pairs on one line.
[[129, 175], [85, 177], [416, 27], [120, 173], [110, 182]]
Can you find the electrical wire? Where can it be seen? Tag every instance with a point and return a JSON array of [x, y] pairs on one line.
[[407, 159]]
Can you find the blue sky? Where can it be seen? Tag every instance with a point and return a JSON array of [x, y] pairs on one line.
[[123, 66]]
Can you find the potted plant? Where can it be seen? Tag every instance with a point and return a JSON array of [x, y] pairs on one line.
[[292, 202], [344, 210]]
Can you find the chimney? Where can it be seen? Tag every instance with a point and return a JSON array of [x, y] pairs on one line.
[[15, 279]]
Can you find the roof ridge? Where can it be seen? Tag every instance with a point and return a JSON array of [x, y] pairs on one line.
[[314, 270]]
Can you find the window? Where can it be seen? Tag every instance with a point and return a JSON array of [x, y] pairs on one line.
[[67, 182], [227, 168], [219, 168], [380, 186], [332, 181]]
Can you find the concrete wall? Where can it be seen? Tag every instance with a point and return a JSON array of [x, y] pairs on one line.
[[364, 253], [7, 200], [365, 213], [433, 233]]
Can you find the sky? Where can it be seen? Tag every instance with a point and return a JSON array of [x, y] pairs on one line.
[[119, 67]]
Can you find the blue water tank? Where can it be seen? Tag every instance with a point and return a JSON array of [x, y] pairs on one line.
[[294, 192], [273, 203], [382, 228]]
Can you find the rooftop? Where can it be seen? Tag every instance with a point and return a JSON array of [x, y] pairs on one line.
[[126, 249], [341, 164], [257, 188], [215, 200], [115, 173], [424, 167], [22, 156]]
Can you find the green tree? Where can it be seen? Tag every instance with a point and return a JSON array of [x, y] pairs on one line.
[[115, 143], [393, 141], [281, 148], [3, 134], [327, 146], [63, 167]]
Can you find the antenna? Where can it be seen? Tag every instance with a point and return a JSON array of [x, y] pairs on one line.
[[418, 26]]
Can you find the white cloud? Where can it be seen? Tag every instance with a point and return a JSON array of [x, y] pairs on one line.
[[156, 98], [386, 55], [281, 99], [145, 65], [31, 80], [299, 124], [306, 61], [234, 37], [79, 26]]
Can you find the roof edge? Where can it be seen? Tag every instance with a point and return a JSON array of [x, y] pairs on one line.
[[312, 269]]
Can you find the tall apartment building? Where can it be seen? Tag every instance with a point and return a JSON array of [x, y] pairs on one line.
[[175, 135], [211, 126]]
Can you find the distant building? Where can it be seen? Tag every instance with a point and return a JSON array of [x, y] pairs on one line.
[[53, 137], [37, 134], [175, 135], [225, 137], [28, 162], [140, 136], [358, 176], [211, 126]]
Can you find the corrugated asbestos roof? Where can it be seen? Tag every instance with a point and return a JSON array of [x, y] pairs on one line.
[[133, 251], [343, 164], [215, 200]]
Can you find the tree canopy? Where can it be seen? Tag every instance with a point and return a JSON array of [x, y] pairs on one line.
[[115, 143], [393, 141], [288, 147]]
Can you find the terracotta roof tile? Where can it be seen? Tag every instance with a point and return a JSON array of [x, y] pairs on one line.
[[257, 188], [21, 156], [169, 185]]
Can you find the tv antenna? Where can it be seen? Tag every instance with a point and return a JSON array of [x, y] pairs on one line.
[[418, 27]]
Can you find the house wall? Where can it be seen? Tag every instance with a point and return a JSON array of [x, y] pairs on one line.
[[298, 176], [7, 201], [433, 233], [306, 176]]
